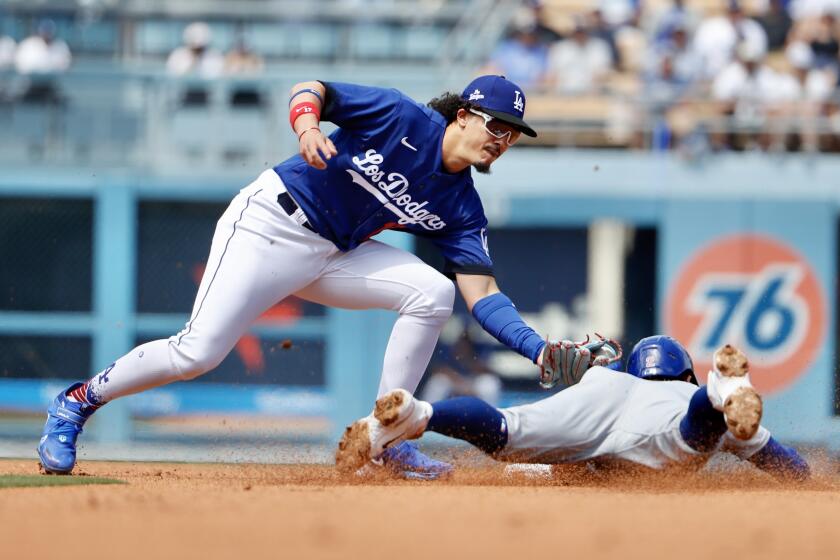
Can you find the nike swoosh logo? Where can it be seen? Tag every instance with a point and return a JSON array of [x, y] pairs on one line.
[[389, 442], [405, 143]]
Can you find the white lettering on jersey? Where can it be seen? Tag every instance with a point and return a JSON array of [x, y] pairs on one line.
[[397, 201]]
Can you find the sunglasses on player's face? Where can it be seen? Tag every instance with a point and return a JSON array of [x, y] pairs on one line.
[[497, 129]]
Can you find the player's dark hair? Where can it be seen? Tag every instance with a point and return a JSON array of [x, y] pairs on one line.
[[448, 105]]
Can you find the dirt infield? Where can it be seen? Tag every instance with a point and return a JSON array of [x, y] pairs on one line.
[[295, 512]]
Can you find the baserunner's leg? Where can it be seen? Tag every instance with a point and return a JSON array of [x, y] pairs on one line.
[[703, 426], [728, 402], [472, 420]]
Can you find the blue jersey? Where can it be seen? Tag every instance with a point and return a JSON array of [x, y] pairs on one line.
[[389, 174]]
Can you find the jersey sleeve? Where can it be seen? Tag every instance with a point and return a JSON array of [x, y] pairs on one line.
[[467, 252], [354, 106]]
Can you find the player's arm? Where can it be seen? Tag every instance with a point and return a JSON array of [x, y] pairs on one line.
[[496, 313], [561, 360], [781, 461], [768, 454], [468, 260], [306, 102]]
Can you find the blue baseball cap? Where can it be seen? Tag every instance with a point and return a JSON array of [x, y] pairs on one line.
[[501, 99]]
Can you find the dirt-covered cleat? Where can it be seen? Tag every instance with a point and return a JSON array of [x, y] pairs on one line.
[[398, 416], [731, 392]]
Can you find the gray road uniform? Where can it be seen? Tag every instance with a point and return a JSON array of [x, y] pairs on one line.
[[611, 415]]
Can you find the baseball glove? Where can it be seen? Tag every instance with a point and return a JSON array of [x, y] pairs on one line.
[[567, 361]]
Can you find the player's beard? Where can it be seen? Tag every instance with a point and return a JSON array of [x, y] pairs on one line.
[[483, 167]]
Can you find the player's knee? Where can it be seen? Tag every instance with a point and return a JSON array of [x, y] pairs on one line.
[[440, 298], [193, 360]]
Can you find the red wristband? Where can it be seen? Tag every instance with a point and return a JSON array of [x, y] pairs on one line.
[[303, 108]]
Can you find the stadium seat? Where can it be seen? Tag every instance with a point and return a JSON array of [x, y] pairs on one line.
[[422, 41], [373, 41]]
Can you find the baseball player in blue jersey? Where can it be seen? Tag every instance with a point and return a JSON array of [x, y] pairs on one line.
[[305, 228], [656, 416]]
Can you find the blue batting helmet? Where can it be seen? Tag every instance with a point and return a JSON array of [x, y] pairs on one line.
[[659, 357]]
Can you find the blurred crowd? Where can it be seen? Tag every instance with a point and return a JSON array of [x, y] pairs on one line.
[[44, 53], [734, 79], [196, 56], [662, 74], [40, 57]]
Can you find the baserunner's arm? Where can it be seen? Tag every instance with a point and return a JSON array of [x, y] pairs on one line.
[[781, 461]]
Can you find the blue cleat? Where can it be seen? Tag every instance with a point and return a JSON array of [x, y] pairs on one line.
[[407, 461], [65, 419]]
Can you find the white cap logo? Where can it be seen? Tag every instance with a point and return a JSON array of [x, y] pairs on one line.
[[518, 102], [476, 95]]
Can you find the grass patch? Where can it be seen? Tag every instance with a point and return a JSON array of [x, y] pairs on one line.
[[24, 480]]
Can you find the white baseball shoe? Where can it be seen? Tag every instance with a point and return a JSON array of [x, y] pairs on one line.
[[730, 391], [398, 416]]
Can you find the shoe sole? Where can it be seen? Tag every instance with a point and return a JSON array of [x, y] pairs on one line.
[[44, 469], [743, 409], [47, 471], [355, 447]]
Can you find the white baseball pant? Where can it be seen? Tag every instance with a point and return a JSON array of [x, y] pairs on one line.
[[261, 255]]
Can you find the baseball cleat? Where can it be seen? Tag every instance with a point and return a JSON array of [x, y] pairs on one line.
[[397, 416], [731, 392], [407, 461], [65, 419]]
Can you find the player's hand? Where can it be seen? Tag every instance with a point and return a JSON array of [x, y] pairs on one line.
[[567, 361], [316, 148]]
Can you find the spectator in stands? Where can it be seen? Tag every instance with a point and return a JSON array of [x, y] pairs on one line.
[[42, 53], [814, 84], [40, 57], [631, 44], [812, 88], [687, 64], [617, 12], [660, 23], [671, 69], [522, 58], [822, 37], [749, 92], [580, 63], [546, 34], [195, 56], [776, 23], [812, 9], [672, 64], [599, 28], [241, 60], [717, 38]]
